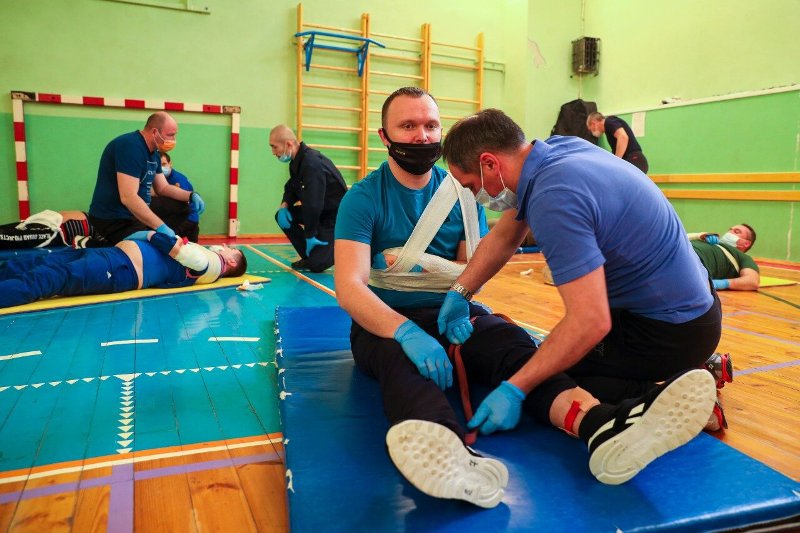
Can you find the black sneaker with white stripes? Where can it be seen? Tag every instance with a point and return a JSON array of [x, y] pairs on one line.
[[436, 461], [623, 439]]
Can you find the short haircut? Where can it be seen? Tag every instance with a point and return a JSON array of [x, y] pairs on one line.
[[282, 133], [753, 232], [169, 159], [489, 130], [156, 120], [593, 117], [413, 92], [239, 269]]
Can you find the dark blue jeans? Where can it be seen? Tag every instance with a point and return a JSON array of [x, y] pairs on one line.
[[65, 272]]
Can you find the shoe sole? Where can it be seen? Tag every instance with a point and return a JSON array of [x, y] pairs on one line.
[[435, 461], [675, 417]]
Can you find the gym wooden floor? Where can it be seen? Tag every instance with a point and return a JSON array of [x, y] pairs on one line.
[[239, 484]]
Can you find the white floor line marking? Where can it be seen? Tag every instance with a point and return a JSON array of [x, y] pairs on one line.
[[140, 459], [131, 377], [129, 341], [20, 354], [240, 339], [126, 413], [289, 269]]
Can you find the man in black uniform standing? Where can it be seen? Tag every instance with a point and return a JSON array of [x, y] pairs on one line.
[[317, 184], [620, 137]]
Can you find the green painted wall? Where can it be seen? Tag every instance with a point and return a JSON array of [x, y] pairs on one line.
[[242, 53], [685, 50]]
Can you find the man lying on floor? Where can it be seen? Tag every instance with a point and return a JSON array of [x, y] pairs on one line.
[[46, 228], [152, 260]]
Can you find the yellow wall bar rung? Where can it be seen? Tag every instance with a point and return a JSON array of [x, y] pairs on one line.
[[749, 177], [363, 116], [337, 147], [397, 37], [451, 117], [770, 196], [348, 167], [395, 75], [332, 28], [334, 107], [382, 93], [457, 100], [454, 65], [331, 87], [331, 128], [371, 149], [300, 60], [426, 56], [460, 47], [395, 57], [479, 81], [331, 67]]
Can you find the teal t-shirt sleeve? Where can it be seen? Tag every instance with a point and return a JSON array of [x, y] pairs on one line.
[[483, 225], [355, 220]]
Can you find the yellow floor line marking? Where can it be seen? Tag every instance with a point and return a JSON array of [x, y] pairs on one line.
[[292, 271]]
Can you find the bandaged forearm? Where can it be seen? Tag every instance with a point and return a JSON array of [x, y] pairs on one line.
[[695, 236], [193, 256]]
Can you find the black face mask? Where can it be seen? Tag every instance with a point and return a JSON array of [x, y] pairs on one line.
[[414, 158]]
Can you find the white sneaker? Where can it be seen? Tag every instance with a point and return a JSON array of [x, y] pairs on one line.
[[434, 460], [641, 430]]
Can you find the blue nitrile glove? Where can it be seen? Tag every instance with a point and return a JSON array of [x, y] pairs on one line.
[[500, 410], [379, 263], [712, 238], [427, 354], [284, 218], [313, 242], [454, 318], [166, 230], [138, 236], [721, 284], [198, 205]]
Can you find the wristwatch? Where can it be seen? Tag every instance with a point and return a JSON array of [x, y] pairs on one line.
[[460, 289]]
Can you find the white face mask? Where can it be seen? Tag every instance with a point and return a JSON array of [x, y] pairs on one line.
[[215, 248], [730, 239], [506, 199]]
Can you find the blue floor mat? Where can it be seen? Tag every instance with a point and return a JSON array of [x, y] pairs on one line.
[[341, 478]]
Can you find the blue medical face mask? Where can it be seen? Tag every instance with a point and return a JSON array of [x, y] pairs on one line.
[[506, 199], [286, 156], [730, 239], [167, 170]]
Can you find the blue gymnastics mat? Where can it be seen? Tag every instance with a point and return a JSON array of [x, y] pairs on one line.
[[340, 477]]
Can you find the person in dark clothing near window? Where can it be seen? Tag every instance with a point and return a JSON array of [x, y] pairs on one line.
[[318, 186], [620, 137]]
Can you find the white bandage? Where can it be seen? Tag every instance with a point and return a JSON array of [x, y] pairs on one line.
[[200, 259], [439, 273], [193, 256]]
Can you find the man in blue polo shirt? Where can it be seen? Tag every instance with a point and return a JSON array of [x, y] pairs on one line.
[[129, 168], [639, 306]]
